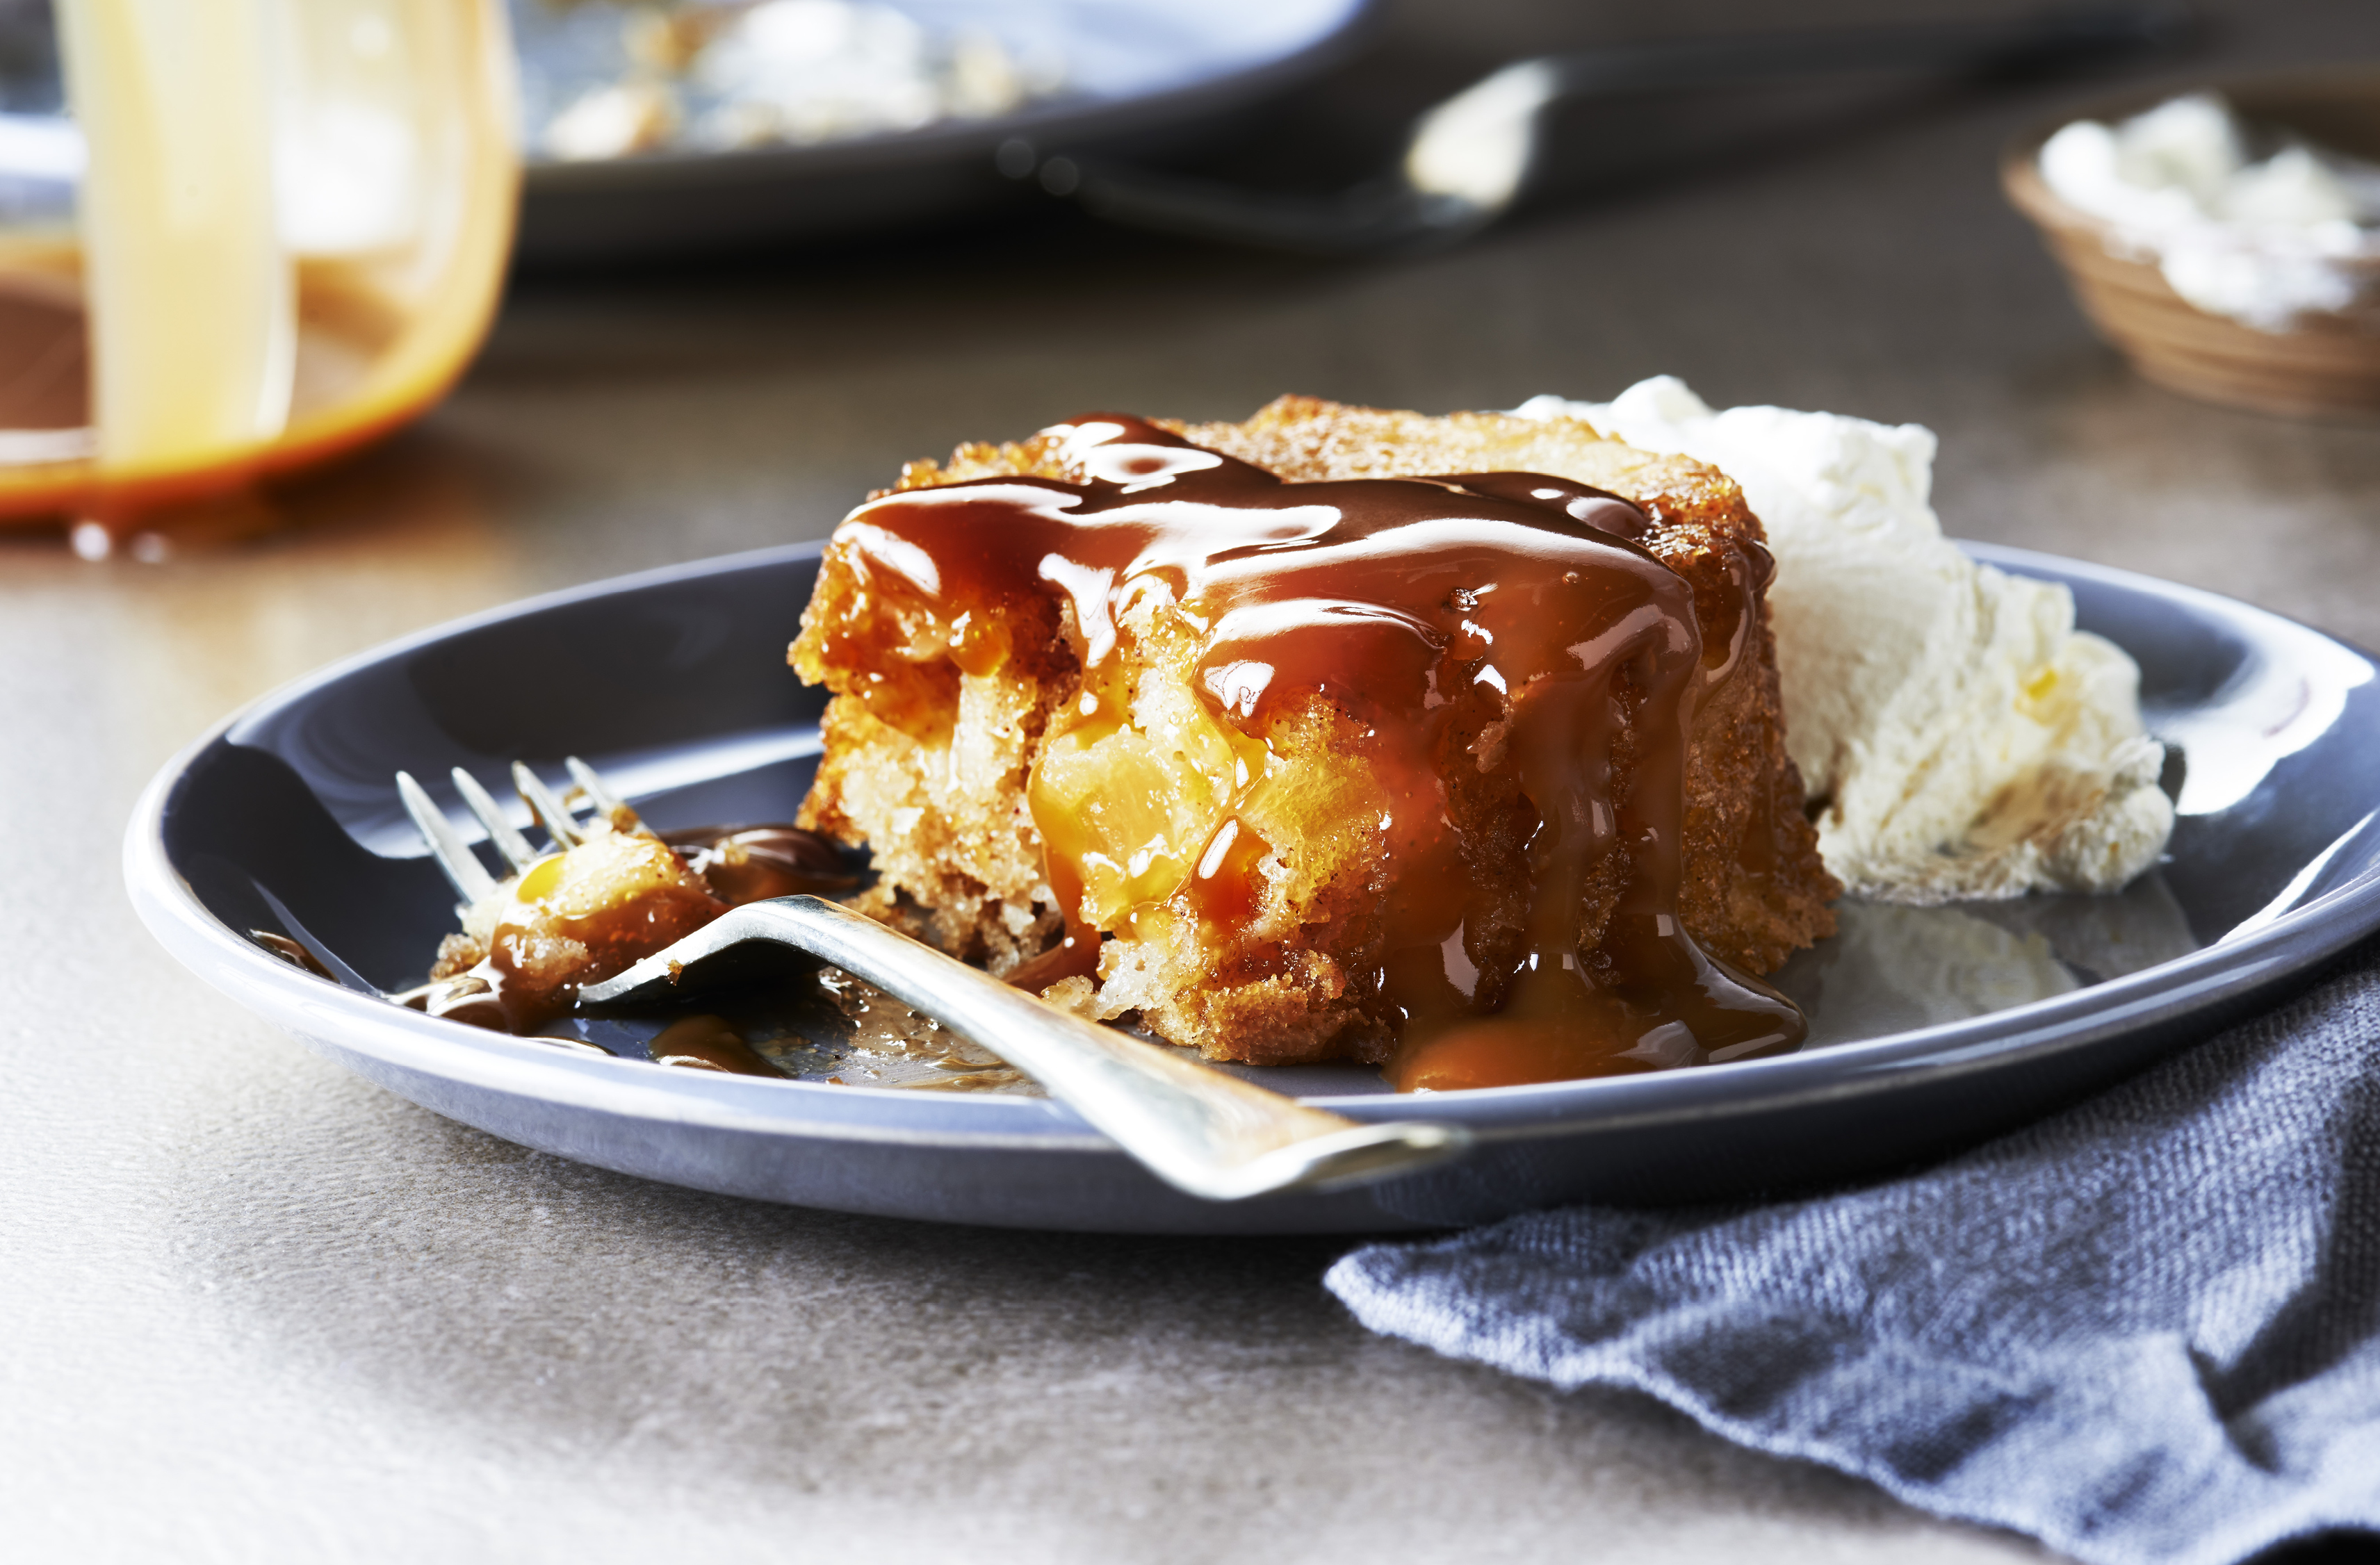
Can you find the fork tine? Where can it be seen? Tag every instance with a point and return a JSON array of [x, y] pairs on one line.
[[612, 807], [470, 877], [548, 809], [509, 843]]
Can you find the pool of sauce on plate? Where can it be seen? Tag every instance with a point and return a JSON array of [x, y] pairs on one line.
[[707, 1043], [756, 863], [292, 952], [1510, 622]]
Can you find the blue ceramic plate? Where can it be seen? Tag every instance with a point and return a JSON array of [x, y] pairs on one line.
[[1141, 76], [1931, 1027]]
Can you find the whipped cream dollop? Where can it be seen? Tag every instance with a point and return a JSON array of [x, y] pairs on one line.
[[2262, 241], [1957, 736]]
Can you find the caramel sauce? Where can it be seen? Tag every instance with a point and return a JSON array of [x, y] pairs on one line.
[[757, 863], [289, 951], [709, 1043], [472, 1000], [522, 976], [525, 981], [1505, 622], [1226, 885], [1076, 956], [886, 1040]]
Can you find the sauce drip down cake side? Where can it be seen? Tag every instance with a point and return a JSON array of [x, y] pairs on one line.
[[1452, 744]]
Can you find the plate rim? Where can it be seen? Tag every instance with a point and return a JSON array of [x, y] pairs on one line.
[[2292, 944]]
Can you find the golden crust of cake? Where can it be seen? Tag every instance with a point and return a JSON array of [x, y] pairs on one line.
[[941, 799], [1304, 438]]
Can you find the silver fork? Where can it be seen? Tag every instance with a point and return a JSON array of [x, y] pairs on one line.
[[463, 871], [1201, 1131]]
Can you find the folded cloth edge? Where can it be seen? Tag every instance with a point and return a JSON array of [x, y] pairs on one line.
[[2141, 1329]]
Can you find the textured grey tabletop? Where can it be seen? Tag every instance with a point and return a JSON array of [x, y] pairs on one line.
[[258, 1310]]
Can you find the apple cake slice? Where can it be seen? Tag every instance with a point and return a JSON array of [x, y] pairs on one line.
[[1451, 743]]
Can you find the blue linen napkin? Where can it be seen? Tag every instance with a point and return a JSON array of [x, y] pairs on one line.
[[2145, 1329]]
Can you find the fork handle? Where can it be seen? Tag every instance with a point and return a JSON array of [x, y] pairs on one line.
[[1202, 1130]]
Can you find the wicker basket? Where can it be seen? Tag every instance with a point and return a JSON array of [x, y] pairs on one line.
[[2326, 364]]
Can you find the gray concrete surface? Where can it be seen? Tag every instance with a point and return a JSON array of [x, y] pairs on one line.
[[257, 1310]]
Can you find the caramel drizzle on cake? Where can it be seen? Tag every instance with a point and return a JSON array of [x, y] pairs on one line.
[[1511, 669]]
